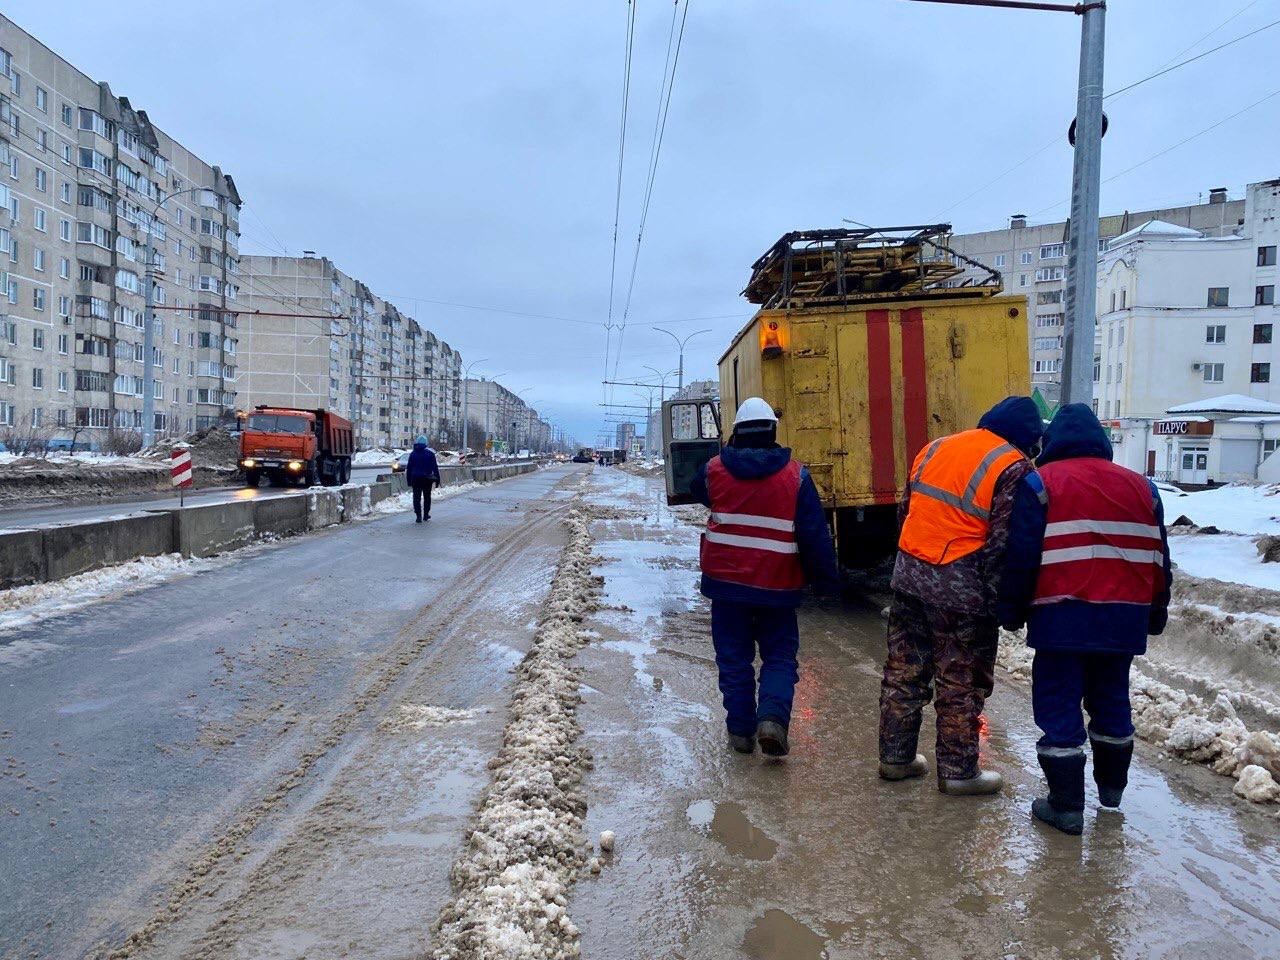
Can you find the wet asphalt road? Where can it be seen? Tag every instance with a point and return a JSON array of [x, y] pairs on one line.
[[143, 727], [160, 723], [70, 512]]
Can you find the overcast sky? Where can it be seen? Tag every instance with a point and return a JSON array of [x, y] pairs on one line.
[[467, 152]]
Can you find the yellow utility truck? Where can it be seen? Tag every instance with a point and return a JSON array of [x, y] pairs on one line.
[[868, 344]]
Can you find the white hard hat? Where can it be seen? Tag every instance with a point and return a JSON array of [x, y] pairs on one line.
[[754, 409]]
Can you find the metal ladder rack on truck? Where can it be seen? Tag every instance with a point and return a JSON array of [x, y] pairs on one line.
[[867, 347], [290, 445]]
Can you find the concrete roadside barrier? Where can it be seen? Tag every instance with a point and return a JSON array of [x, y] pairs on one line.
[[454, 474], [22, 558], [353, 502], [379, 492], [80, 547], [280, 516], [324, 509], [212, 529]]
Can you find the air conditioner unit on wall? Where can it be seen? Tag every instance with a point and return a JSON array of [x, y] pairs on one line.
[[1197, 366]]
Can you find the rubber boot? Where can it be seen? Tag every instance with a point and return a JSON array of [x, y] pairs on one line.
[[773, 738], [1111, 768], [904, 771], [742, 744], [986, 782], [1063, 808]]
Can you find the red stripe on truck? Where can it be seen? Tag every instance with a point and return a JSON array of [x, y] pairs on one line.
[[884, 485], [915, 395]]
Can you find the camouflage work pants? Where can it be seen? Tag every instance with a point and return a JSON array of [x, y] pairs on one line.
[[941, 654]]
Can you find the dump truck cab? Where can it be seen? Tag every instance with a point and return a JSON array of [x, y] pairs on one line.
[[290, 445]]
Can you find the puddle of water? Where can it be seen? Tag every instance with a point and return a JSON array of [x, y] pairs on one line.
[[728, 823], [777, 935], [87, 706]]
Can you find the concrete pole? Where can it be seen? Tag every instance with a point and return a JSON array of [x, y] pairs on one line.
[[1082, 263], [148, 345]]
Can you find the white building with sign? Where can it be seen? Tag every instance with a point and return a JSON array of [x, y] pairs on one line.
[[1183, 315], [1223, 439]]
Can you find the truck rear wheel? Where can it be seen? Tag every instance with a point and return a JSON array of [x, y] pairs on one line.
[[252, 478], [346, 471]]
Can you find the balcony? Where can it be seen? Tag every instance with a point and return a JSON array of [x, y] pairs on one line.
[[93, 326]]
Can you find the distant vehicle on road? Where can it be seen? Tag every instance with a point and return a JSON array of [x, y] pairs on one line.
[[296, 446], [584, 455], [400, 463]]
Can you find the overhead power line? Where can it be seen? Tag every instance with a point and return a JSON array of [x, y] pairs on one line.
[[1198, 56]]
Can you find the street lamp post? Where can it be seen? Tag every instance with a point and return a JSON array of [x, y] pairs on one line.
[[662, 397], [465, 376], [680, 343], [148, 320]]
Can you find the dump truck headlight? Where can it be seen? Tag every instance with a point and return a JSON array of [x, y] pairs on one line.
[[295, 464], [248, 462]]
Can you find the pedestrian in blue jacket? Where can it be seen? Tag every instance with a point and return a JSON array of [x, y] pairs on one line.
[[766, 538], [1087, 570], [421, 472]]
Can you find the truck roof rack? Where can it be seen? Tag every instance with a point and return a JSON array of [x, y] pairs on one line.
[[841, 266]]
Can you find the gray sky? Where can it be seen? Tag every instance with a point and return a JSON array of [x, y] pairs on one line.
[[467, 152]]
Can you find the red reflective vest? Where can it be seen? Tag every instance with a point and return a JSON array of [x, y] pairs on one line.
[[1101, 540], [751, 533]]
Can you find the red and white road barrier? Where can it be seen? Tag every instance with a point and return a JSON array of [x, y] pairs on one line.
[[180, 467]]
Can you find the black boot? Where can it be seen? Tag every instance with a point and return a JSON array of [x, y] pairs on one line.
[[742, 744], [1064, 807], [773, 738], [1111, 757]]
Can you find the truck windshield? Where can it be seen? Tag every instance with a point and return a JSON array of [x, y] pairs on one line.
[[277, 423]]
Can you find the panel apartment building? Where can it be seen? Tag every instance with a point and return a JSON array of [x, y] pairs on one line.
[[85, 178], [1033, 261], [315, 336], [498, 413]]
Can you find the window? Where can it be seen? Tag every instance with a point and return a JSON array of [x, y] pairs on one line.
[[42, 180], [1051, 251], [67, 117], [1049, 273], [1213, 373], [40, 220], [1113, 301], [1000, 259], [1120, 334], [1218, 297], [1215, 333], [64, 191], [1022, 279], [1049, 296], [1025, 258], [37, 378], [1264, 296], [1119, 373], [1047, 366], [1048, 343], [1262, 333], [63, 341], [1267, 256], [37, 259], [64, 307], [1260, 373], [64, 228], [37, 338], [38, 295], [1049, 320], [63, 381]]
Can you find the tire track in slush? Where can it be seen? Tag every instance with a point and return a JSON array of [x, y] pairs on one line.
[[212, 868]]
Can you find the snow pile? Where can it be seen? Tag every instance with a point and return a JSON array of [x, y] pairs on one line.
[[526, 848], [21, 606], [404, 501], [1239, 508], [376, 457]]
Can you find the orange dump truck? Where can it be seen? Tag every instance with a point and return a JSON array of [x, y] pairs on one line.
[[296, 446]]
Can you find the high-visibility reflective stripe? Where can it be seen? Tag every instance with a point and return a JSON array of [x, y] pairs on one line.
[[949, 498], [1100, 551], [980, 473], [928, 455], [1117, 741], [1060, 751], [754, 543], [1116, 527], [754, 520]]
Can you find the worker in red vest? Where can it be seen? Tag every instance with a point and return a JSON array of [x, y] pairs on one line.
[[766, 538], [942, 621], [1088, 572]]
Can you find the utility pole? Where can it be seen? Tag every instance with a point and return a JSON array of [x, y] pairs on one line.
[[680, 343], [465, 392], [1086, 178]]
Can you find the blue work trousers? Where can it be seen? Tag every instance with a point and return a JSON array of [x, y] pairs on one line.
[[738, 630], [1061, 680]]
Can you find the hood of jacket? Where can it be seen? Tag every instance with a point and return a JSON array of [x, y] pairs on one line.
[[420, 446], [1075, 432], [753, 463], [1016, 420]]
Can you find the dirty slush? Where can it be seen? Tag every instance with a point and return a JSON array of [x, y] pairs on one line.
[[526, 848]]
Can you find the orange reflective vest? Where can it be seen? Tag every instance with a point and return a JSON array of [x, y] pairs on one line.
[[953, 482]]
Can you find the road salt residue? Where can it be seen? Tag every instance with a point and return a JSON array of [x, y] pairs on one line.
[[511, 882]]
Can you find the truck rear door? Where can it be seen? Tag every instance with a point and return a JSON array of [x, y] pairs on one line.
[[690, 437]]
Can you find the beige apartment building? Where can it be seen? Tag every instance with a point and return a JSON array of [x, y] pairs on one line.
[[499, 414], [1032, 258], [315, 336], [86, 180]]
